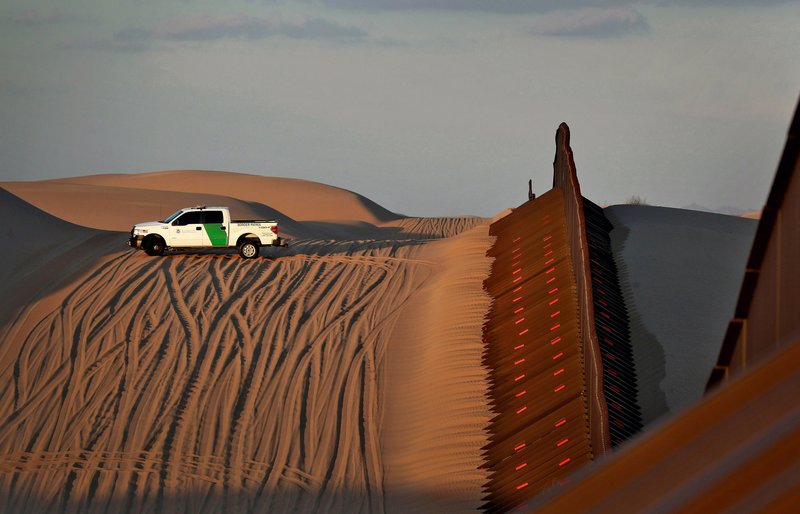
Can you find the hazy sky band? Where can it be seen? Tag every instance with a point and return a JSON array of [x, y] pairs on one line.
[[426, 107]]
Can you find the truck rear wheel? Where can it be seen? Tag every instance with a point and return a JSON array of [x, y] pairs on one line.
[[154, 246], [248, 250]]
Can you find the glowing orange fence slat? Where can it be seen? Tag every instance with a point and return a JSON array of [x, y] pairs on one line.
[[536, 373]]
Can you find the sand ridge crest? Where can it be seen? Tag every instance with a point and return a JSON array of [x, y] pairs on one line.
[[303, 200]]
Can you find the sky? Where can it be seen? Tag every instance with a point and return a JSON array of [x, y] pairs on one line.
[[428, 107]]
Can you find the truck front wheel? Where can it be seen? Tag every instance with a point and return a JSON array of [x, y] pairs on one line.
[[153, 246], [248, 250]]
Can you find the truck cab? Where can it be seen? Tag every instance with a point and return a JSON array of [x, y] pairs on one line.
[[199, 228], [204, 227]]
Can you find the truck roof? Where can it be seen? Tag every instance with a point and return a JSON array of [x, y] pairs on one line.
[[204, 207]]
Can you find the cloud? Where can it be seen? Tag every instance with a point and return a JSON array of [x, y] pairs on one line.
[[593, 23], [213, 28], [524, 6], [725, 3], [35, 18], [494, 6], [100, 44]]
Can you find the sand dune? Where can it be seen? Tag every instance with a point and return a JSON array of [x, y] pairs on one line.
[[204, 383], [225, 378], [41, 253], [425, 228], [680, 272], [112, 202], [302, 200], [342, 374], [436, 410], [108, 207]]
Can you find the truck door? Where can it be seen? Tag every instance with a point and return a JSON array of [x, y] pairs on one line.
[[214, 230], [186, 230]]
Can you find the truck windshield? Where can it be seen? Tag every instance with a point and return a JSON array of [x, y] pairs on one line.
[[172, 216]]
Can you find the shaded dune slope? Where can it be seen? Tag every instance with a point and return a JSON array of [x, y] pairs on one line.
[[680, 273], [40, 252], [21, 222]]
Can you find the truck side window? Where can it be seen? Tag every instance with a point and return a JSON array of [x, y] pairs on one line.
[[213, 217], [189, 218]]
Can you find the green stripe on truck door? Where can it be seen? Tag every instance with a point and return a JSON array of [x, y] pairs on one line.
[[215, 233]]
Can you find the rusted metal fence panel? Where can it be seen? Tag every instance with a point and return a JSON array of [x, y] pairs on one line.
[[542, 350], [768, 310], [566, 179], [612, 328], [534, 354], [738, 450], [789, 264]]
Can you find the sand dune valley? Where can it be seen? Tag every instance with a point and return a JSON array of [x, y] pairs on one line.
[[344, 373]]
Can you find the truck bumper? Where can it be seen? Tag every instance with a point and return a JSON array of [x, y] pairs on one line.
[[280, 242], [135, 242]]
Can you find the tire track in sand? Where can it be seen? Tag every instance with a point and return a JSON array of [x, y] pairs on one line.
[[206, 383]]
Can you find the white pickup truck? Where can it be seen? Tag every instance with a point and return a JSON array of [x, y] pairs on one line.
[[205, 227]]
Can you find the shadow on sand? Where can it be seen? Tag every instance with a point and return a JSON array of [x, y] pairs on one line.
[[648, 353]]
